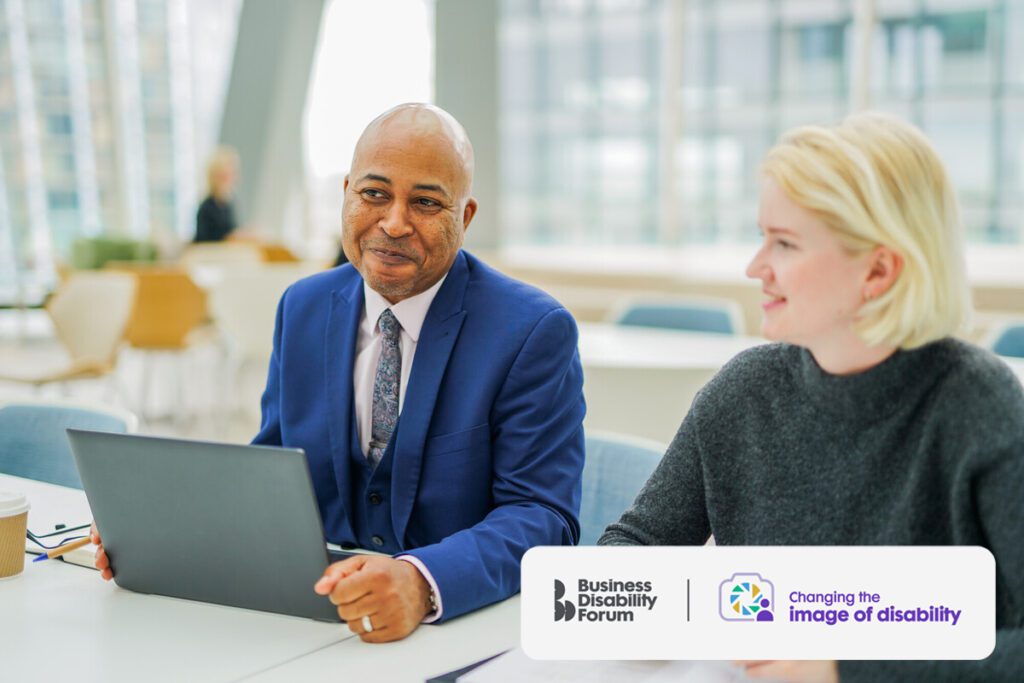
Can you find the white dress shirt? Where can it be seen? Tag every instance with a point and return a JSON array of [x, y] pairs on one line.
[[410, 314]]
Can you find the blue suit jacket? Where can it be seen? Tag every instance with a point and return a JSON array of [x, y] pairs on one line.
[[489, 445]]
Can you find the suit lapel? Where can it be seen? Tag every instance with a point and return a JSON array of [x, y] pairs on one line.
[[437, 339], [339, 357]]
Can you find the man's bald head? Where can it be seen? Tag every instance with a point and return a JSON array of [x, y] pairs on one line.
[[405, 123]]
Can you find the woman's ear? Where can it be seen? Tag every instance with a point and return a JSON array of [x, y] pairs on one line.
[[884, 267]]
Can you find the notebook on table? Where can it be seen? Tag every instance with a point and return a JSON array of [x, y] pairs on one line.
[[220, 523]]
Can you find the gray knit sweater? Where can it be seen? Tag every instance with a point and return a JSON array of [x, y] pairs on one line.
[[926, 448]]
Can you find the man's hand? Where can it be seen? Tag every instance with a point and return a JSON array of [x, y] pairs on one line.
[[820, 671], [102, 562], [391, 593]]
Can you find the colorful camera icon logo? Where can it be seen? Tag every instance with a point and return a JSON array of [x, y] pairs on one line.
[[746, 597]]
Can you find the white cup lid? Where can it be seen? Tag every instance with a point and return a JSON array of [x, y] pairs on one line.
[[12, 503]]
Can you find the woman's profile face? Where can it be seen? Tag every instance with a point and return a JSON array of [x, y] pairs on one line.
[[813, 287]]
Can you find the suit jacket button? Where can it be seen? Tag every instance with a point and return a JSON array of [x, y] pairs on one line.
[[377, 540], [375, 498]]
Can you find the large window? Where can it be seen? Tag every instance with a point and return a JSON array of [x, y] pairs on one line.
[[348, 88], [642, 122], [107, 110]]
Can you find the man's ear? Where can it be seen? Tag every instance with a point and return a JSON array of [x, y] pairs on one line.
[[885, 265], [468, 213], [344, 185]]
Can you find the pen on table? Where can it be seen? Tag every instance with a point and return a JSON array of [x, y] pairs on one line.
[[66, 548]]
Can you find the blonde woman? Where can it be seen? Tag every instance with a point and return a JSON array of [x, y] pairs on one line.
[[215, 219], [868, 423]]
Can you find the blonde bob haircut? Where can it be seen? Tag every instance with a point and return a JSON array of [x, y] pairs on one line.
[[876, 180], [223, 157]]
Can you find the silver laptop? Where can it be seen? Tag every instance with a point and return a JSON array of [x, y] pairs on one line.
[[221, 523]]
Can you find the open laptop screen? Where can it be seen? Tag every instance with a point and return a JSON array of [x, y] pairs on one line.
[[221, 523]]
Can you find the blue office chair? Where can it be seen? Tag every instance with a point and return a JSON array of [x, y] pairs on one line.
[[1010, 341], [33, 444], [689, 315], [617, 466]]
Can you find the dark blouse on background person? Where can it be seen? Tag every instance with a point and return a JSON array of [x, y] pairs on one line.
[[214, 221]]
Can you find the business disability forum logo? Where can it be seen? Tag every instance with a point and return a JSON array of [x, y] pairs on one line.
[[605, 600], [746, 597]]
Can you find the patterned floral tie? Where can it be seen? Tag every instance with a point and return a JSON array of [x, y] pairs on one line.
[[385, 386]]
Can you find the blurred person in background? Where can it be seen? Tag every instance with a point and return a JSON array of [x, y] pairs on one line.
[[215, 219]]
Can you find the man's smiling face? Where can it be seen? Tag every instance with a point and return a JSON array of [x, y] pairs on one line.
[[407, 203]]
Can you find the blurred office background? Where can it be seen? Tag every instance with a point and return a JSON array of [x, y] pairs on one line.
[[617, 150]]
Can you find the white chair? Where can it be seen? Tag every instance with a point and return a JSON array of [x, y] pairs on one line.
[[221, 254], [90, 312], [243, 305]]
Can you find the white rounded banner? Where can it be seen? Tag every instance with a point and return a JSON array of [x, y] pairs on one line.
[[764, 602]]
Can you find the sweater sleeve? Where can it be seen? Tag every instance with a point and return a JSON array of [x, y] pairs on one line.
[[670, 509], [992, 499], [1003, 665]]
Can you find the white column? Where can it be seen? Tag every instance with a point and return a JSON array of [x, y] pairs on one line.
[[670, 124], [41, 248], [122, 47], [81, 122], [9, 271], [182, 131], [263, 109], [466, 85], [860, 76]]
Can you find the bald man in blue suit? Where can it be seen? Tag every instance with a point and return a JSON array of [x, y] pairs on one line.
[[438, 401]]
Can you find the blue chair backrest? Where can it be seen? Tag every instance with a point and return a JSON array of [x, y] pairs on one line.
[[33, 444], [614, 473], [1010, 342], [690, 318]]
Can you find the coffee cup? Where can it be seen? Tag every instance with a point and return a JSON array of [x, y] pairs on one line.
[[13, 522]]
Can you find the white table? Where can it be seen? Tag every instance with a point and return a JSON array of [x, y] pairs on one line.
[[430, 651], [641, 381], [60, 621], [605, 345]]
